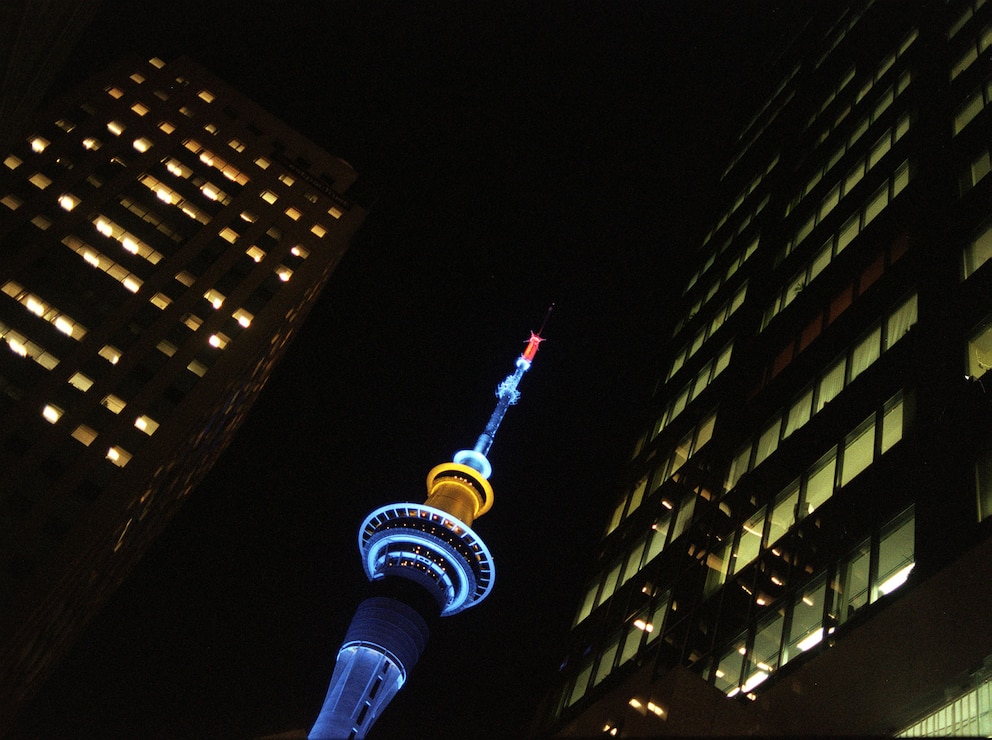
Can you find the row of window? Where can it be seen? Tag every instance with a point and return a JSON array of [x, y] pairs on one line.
[[736, 262], [975, 47], [667, 466], [837, 242], [824, 388], [707, 330], [665, 530], [706, 375], [966, 15], [877, 566], [757, 116], [832, 310], [851, 178], [838, 467], [741, 197], [974, 104]]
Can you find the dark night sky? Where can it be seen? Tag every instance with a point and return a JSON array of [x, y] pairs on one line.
[[523, 153]]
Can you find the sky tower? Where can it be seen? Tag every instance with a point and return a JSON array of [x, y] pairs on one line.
[[424, 561]]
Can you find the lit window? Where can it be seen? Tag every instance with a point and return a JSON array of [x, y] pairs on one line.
[[243, 318], [262, 163], [293, 213], [236, 145], [284, 273], [114, 92], [210, 191], [820, 482], [139, 109], [166, 127], [192, 321], [91, 144], [218, 340], [68, 202], [210, 128], [110, 353], [156, 62], [80, 382], [12, 202], [167, 348], [136, 77], [39, 180], [115, 127], [318, 230], [51, 413], [299, 251], [215, 297], [205, 95], [858, 450], [228, 234], [113, 403], [197, 368], [186, 111], [84, 434], [12, 162], [335, 212], [160, 300], [249, 217], [185, 278], [286, 179], [146, 424], [142, 145], [39, 144], [118, 456], [255, 253], [268, 196]]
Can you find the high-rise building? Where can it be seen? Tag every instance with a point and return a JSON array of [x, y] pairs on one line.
[[802, 541], [162, 238]]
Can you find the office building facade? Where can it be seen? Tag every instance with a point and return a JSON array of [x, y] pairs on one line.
[[801, 542], [162, 238]]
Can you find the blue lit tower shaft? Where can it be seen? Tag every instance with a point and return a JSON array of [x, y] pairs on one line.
[[424, 561]]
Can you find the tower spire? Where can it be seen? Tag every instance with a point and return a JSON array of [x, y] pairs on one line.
[[507, 395], [424, 561]]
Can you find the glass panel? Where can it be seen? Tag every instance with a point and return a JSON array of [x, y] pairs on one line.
[[980, 352], [610, 583], [831, 383], [632, 641], [705, 432], [896, 554], [659, 533], [821, 260], [768, 442], [681, 452], [764, 656], [587, 603], [799, 413], [900, 321], [580, 683], [892, 423], [750, 540], [806, 629], [866, 352], [859, 450], [634, 560], [978, 252], [723, 360], [739, 466], [727, 674], [638, 494], [783, 514], [657, 620], [853, 585], [879, 199], [718, 564], [983, 483], [820, 482], [606, 660], [703, 379], [684, 516]]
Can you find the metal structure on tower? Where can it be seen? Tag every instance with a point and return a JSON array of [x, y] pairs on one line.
[[424, 561]]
